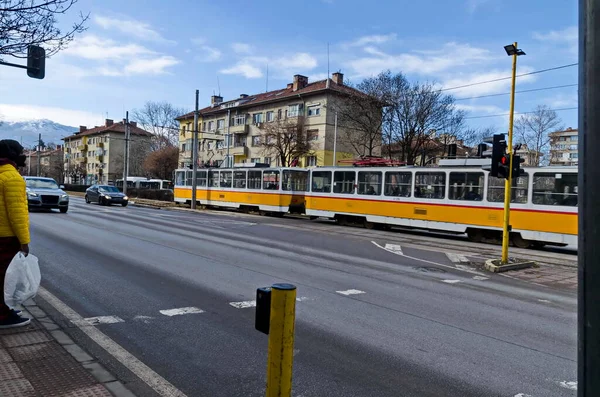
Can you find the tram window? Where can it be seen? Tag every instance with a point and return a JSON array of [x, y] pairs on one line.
[[201, 178], [189, 175], [398, 184], [271, 180], [225, 179], [239, 179], [343, 182], [495, 193], [369, 182], [213, 178], [430, 185], [466, 186], [254, 179], [179, 178], [295, 180], [321, 181], [550, 188]]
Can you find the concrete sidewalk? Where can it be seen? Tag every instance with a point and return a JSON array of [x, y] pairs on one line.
[[41, 360], [548, 275]]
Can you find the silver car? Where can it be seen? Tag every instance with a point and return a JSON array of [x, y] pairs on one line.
[[45, 193]]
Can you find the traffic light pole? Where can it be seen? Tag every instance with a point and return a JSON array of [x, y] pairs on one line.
[[588, 360], [508, 183]]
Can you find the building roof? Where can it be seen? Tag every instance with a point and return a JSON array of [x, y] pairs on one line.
[[276, 95], [115, 127]]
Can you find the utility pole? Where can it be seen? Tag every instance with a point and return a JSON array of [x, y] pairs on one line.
[[588, 319], [126, 162], [508, 184], [334, 136], [39, 153], [195, 154], [228, 136]]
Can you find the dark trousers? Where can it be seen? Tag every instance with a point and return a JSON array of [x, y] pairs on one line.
[[9, 247]]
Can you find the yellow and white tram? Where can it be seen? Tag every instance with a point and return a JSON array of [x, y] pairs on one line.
[[451, 199]]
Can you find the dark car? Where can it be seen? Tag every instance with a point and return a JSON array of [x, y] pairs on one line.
[[45, 193], [105, 195]]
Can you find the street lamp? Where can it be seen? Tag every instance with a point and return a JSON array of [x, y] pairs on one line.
[[514, 51]]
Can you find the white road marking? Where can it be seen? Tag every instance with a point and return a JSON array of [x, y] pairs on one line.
[[468, 269], [243, 305], [143, 319], [396, 249], [425, 260], [456, 257], [351, 292], [568, 385], [544, 300], [302, 299], [103, 320], [159, 384], [522, 395], [180, 311], [480, 278], [451, 281]]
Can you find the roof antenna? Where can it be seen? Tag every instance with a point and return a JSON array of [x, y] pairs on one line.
[[327, 82], [219, 85], [267, 88]]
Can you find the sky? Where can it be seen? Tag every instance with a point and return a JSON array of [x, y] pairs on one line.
[[159, 50]]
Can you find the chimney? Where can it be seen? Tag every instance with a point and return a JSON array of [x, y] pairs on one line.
[[108, 122], [216, 99], [338, 78], [133, 123], [82, 128], [289, 86], [243, 95], [299, 82]]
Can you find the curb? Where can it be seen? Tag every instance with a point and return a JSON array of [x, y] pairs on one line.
[[91, 365], [493, 266]]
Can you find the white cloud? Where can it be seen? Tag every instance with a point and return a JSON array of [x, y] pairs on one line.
[[56, 114], [563, 101], [479, 109], [131, 27], [241, 48], [210, 54], [244, 68], [198, 40], [151, 66], [568, 36], [475, 89], [96, 48], [299, 61], [419, 62], [373, 39]]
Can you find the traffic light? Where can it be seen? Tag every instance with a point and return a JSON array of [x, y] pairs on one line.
[[517, 171], [498, 153], [36, 62]]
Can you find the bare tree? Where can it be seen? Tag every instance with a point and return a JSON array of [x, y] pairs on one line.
[[534, 130], [159, 119], [286, 139], [162, 163], [27, 22]]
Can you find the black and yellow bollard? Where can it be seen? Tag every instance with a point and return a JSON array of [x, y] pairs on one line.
[[278, 305]]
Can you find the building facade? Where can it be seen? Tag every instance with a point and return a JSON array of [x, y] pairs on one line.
[[96, 155], [50, 163], [564, 147], [245, 130]]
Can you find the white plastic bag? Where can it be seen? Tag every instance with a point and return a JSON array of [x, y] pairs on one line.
[[22, 279]]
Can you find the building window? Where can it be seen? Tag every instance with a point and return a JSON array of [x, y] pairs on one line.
[[311, 161], [270, 116], [238, 119], [220, 124], [314, 111], [211, 125], [220, 144], [268, 160], [312, 135], [204, 126], [279, 114], [256, 140], [257, 118], [574, 155], [255, 160], [294, 110], [183, 147], [574, 137]]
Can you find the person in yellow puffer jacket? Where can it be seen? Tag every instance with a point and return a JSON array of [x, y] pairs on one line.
[[14, 221]]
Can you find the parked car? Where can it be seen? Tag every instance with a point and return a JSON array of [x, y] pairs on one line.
[[105, 195], [45, 193]]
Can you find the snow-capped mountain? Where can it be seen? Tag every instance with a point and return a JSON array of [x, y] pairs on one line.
[[27, 132]]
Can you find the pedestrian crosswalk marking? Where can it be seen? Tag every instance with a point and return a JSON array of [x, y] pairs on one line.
[[180, 311]]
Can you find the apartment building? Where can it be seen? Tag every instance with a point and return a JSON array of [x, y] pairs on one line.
[[50, 163], [564, 147], [235, 131], [96, 155]]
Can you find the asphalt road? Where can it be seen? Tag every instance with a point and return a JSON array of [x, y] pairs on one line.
[[416, 328]]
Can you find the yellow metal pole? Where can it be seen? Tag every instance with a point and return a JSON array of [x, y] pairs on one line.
[[281, 340], [508, 183]]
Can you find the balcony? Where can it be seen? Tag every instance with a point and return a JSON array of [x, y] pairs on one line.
[[239, 150], [82, 147], [100, 158], [81, 159], [100, 144], [238, 129]]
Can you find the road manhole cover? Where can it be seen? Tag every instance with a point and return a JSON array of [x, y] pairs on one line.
[[429, 269]]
